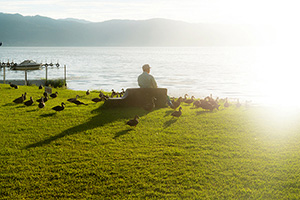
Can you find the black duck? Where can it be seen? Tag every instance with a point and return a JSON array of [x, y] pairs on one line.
[[54, 95], [133, 122], [29, 102], [59, 108]]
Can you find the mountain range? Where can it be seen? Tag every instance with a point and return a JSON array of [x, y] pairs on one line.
[[18, 30]]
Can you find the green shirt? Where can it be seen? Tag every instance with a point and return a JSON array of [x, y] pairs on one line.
[[146, 80]]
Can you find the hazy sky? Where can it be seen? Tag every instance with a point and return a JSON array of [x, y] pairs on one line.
[[195, 11]]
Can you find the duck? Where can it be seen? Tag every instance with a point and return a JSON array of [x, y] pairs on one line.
[[96, 100], [25, 96], [150, 105], [189, 101], [40, 87], [13, 85], [29, 102], [45, 94], [123, 91], [113, 93], [176, 104], [73, 99], [42, 103], [77, 102], [206, 105], [226, 104], [88, 92], [44, 99], [59, 108], [54, 95], [19, 99], [177, 113], [185, 97], [196, 103], [238, 104], [134, 121], [103, 96]]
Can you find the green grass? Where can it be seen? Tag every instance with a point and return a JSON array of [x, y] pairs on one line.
[[88, 152]]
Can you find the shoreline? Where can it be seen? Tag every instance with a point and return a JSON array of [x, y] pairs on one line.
[[22, 82]]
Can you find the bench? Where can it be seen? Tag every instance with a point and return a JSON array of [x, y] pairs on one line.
[[138, 97]]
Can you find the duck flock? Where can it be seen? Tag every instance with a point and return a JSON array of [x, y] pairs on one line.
[[208, 103], [45, 97]]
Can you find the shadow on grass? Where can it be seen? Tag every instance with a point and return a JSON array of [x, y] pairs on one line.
[[203, 112], [103, 116], [48, 115], [118, 134], [9, 104], [170, 122], [168, 112]]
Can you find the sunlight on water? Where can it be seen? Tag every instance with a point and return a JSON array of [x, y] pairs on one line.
[[263, 75]]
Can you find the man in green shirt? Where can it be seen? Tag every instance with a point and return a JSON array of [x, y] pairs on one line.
[[145, 80]]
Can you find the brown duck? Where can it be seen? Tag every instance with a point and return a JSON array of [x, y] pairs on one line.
[[133, 122], [150, 105], [176, 104], [177, 113], [207, 105], [226, 104], [41, 104], [20, 99], [189, 101], [73, 99]]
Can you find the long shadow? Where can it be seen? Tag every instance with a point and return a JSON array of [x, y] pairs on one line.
[[120, 133], [203, 112], [170, 122], [167, 113], [48, 115], [103, 116], [9, 104]]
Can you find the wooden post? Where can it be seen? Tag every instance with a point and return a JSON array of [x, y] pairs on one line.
[[65, 74], [25, 77], [3, 74], [46, 73]]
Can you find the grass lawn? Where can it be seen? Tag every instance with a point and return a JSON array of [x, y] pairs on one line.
[[88, 152]]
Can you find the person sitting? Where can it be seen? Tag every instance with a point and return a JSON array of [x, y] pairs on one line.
[[145, 80]]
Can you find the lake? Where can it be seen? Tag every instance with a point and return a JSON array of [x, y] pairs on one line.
[[233, 72]]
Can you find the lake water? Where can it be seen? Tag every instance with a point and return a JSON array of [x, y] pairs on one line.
[[233, 72]]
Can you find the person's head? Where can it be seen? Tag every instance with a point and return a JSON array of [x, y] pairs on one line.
[[146, 68]]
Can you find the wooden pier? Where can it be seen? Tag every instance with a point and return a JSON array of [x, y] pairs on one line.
[[8, 65]]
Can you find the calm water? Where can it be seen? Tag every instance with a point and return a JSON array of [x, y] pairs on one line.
[[222, 71]]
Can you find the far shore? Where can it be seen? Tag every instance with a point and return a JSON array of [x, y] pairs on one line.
[[22, 82]]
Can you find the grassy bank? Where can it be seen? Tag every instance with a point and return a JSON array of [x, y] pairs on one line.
[[88, 152]]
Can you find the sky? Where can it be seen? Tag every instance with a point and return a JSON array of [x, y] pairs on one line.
[[193, 11]]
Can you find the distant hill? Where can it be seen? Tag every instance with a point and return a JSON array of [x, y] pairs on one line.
[[18, 30]]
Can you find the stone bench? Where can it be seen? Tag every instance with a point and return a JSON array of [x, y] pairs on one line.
[[138, 97]]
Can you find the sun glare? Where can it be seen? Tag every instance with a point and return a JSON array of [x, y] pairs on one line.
[[277, 73]]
